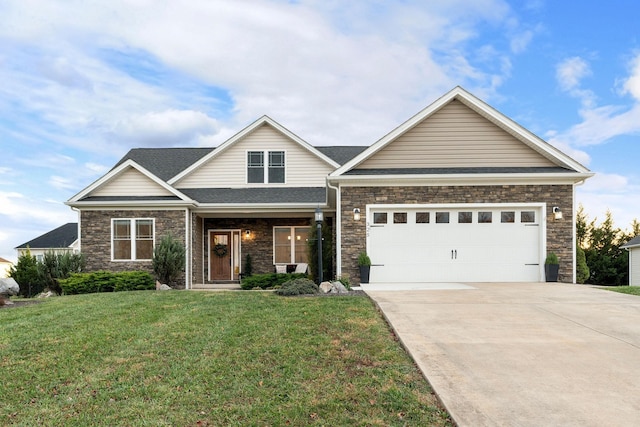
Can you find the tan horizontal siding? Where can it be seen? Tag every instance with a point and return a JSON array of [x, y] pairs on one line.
[[302, 168], [131, 183], [455, 136]]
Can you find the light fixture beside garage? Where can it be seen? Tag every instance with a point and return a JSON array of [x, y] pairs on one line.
[[356, 214], [557, 213]]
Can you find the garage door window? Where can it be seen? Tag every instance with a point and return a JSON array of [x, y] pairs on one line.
[[380, 218], [399, 217], [527, 216], [442, 217], [507, 216], [465, 217], [422, 217], [485, 217]]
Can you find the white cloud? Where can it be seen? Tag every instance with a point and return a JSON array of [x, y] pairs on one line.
[[632, 84], [570, 73], [62, 183]]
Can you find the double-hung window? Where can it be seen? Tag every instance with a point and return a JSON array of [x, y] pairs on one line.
[[132, 239], [265, 167], [290, 245]]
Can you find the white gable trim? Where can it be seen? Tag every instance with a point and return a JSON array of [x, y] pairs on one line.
[[120, 169], [482, 108], [246, 131]]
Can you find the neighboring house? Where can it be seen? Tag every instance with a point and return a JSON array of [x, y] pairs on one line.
[[5, 266], [633, 246], [60, 240], [459, 192]]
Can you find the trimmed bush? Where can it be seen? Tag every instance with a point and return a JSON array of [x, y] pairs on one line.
[[298, 287], [168, 259], [106, 281], [27, 275], [269, 280]]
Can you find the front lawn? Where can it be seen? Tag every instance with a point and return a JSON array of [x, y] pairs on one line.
[[632, 290], [197, 359]]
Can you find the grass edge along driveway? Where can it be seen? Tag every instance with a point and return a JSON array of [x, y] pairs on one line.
[[195, 358]]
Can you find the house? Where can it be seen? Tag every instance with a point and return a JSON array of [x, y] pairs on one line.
[[459, 192], [5, 266], [60, 240], [633, 246]]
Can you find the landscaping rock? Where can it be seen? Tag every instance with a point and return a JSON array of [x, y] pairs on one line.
[[338, 288], [9, 287], [46, 294], [326, 287], [164, 287]]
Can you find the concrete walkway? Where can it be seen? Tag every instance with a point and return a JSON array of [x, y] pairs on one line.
[[523, 354]]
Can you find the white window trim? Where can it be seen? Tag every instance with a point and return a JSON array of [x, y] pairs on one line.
[[132, 222], [265, 175], [292, 242]]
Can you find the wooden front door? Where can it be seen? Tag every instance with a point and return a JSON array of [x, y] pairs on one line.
[[220, 255]]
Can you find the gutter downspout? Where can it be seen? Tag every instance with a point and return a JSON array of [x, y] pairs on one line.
[[338, 228], [79, 228], [187, 241]]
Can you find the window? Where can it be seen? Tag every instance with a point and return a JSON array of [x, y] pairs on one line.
[[380, 218], [442, 217], [399, 217], [261, 172], [527, 216], [465, 217], [507, 216], [290, 245], [132, 239], [485, 217], [422, 217]]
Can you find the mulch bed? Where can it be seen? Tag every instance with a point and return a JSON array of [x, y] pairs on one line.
[[20, 303]]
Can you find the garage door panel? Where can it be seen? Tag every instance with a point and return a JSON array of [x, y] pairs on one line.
[[440, 252]]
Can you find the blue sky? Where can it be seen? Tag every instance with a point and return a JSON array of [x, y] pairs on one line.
[[83, 82]]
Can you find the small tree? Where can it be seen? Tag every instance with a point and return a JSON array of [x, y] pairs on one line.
[[248, 266], [582, 269], [55, 267], [26, 274], [169, 259]]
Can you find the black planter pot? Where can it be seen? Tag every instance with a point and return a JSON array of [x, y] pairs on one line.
[[551, 272], [365, 270]]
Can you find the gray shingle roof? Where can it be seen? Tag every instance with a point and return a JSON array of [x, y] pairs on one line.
[[165, 163], [61, 237], [633, 242], [275, 196], [341, 154], [429, 171]]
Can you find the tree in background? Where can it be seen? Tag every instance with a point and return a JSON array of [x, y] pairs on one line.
[[169, 259], [26, 274], [607, 263]]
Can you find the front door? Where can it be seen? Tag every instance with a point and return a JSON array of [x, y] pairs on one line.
[[220, 255]]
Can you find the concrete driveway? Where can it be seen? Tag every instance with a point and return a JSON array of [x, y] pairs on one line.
[[523, 354]]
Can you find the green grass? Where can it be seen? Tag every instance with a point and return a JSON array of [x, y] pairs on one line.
[[205, 359], [631, 290]]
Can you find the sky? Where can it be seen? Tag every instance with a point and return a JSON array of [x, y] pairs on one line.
[[82, 82]]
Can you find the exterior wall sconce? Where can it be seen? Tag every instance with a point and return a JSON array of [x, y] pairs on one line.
[[356, 214], [557, 213], [247, 233]]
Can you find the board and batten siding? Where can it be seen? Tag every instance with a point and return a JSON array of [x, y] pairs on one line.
[[634, 266], [452, 137], [229, 168], [131, 182]]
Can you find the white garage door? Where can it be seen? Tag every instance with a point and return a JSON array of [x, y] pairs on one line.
[[457, 244]]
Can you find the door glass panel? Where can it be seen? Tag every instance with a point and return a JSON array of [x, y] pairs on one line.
[[527, 216], [282, 245], [442, 217], [465, 217], [380, 218], [302, 239], [422, 217], [485, 217], [399, 217], [507, 216]]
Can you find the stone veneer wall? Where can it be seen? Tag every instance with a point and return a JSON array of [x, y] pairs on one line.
[[259, 245], [95, 237], [559, 232]]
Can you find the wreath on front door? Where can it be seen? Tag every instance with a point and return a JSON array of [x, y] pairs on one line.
[[220, 250]]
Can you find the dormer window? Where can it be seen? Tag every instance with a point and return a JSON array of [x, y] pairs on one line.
[[269, 172]]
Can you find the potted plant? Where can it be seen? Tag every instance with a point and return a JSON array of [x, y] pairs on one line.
[[364, 263], [551, 267]]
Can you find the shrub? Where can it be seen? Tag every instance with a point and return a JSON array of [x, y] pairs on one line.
[[552, 258], [169, 259], [105, 281], [363, 259], [248, 266], [26, 274], [269, 280], [582, 269], [298, 286], [54, 267]]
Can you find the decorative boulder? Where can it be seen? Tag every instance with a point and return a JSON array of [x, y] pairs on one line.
[[338, 288], [9, 287], [164, 287], [325, 287]]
